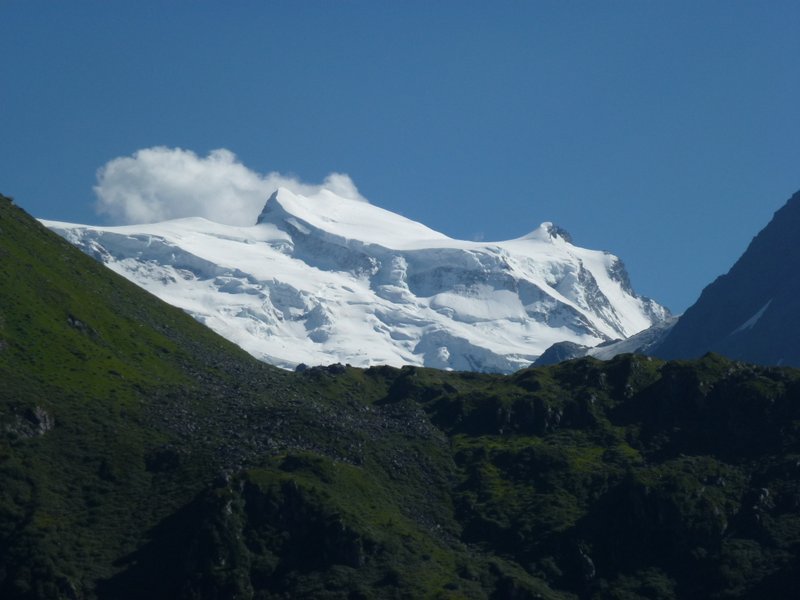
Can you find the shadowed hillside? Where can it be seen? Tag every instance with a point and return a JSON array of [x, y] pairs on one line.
[[752, 312]]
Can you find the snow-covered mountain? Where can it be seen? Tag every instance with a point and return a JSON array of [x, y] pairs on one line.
[[322, 279]]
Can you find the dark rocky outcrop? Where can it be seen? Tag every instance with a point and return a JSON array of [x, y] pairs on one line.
[[560, 351]]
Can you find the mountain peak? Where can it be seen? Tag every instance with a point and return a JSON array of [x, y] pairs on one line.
[[328, 214], [270, 204], [555, 231], [548, 232], [751, 312]]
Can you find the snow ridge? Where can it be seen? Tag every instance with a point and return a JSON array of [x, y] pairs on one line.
[[322, 279]]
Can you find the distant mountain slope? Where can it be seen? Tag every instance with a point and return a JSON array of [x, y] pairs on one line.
[[753, 312], [324, 279]]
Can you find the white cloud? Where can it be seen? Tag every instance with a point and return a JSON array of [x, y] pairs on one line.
[[156, 184]]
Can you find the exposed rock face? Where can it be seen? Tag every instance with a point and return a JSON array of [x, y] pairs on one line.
[[33, 422], [559, 352], [753, 312]]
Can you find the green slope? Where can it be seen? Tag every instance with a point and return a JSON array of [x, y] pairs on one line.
[[143, 456], [86, 362]]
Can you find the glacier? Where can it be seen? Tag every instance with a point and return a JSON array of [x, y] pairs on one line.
[[322, 279]]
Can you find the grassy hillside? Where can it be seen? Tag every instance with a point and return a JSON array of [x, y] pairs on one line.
[[143, 456], [88, 366]]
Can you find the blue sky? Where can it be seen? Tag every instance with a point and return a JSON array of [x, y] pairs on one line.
[[664, 132]]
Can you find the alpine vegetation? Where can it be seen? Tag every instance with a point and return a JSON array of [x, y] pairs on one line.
[[144, 456]]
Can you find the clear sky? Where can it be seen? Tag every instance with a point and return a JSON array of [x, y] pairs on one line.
[[664, 132]]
